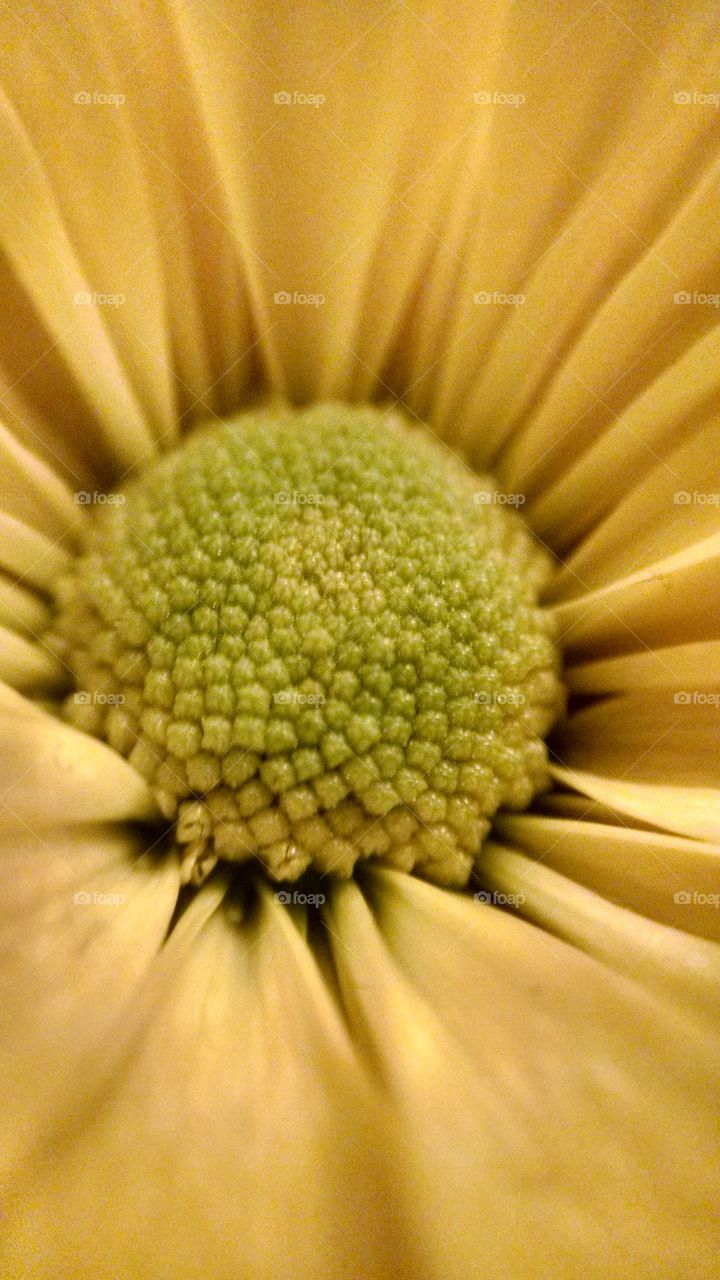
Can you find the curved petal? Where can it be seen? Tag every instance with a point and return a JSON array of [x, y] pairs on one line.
[[690, 811], [349, 203], [82, 916], [646, 737], [29, 555], [649, 754], [469, 172], [675, 600], [529, 1078], [29, 667], [577, 455], [31, 491], [678, 666], [242, 1138], [116, 230], [606, 239], [42, 253], [674, 881], [673, 507], [52, 774], [682, 970], [22, 610]]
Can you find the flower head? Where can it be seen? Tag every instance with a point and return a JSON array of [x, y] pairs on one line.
[[499, 226], [327, 642]]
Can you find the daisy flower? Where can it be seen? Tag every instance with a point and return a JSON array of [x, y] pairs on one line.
[[359, 810]]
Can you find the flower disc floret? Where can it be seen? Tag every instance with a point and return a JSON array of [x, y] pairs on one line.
[[318, 638]]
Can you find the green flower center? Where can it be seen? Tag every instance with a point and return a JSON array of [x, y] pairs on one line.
[[316, 634]]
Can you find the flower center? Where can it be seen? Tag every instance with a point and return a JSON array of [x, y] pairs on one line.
[[317, 636]]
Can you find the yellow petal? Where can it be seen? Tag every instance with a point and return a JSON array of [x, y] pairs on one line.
[[673, 507], [23, 610], [29, 555], [528, 1078], [651, 736], [678, 667], [690, 811], [567, 210], [31, 491], [648, 754], [65, 294], [207, 309], [51, 774], [28, 666], [82, 916], [642, 372], [674, 881], [672, 601], [344, 197], [243, 1126], [683, 970]]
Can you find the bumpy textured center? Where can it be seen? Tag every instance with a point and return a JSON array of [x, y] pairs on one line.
[[317, 635]]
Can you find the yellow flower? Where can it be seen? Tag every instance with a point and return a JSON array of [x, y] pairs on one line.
[[506, 221]]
